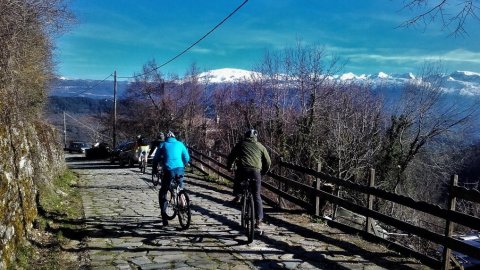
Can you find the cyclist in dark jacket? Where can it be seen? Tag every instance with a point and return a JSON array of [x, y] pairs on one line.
[[252, 161], [156, 143]]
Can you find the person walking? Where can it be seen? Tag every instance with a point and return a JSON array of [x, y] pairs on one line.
[[252, 161]]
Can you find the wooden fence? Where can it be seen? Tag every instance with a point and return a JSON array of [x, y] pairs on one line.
[[215, 163]]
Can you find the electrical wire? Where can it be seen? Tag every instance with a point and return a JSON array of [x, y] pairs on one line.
[[91, 87], [191, 46], [87, 126]]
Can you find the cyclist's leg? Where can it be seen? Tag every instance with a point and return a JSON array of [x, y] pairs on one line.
[[166, 180], [257, 194], [180, 172], [237, 186]]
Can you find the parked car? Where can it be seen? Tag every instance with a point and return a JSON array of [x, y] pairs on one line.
[[98, 151], [115, 152], [78, 147], [127, 154]]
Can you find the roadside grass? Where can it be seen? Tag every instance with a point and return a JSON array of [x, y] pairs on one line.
[[56, 239], [212, 178]]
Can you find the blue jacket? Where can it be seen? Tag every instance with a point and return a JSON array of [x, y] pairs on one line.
[[172, 154]]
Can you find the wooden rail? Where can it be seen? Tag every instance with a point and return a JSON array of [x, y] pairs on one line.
[[450, 215]]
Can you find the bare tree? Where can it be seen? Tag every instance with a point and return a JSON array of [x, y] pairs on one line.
[[352, 130], [452, 15], [26, 67], [423, 114]]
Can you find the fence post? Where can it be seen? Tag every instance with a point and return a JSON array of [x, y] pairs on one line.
[[318, 183], [209, 162], [336, 193], [219, 168], [201, 161], [279, 184], [452, 201], [370, 197]]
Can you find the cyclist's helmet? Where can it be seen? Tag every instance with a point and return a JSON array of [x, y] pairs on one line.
[[170, 134], [251, 133]]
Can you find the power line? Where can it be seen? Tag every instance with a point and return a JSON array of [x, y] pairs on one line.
[[191, 46], [87, 126], [91, 87]]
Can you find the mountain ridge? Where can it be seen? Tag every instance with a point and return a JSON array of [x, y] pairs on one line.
[[459, 82]]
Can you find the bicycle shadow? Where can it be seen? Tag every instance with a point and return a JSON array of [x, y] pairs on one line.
[[300, 252]]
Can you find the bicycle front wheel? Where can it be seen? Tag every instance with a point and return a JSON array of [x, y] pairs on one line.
[[184, 211], [155, 179]]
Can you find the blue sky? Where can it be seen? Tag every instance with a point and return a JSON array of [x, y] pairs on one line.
[[123, 35]]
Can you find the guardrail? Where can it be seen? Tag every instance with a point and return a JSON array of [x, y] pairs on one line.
[[215, 163]]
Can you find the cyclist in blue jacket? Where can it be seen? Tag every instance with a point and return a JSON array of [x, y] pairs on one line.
[[173, 156]]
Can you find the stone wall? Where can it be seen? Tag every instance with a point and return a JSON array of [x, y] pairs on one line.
[[31, 154]]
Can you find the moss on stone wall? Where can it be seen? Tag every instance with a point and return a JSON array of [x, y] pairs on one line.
[[32, 155]]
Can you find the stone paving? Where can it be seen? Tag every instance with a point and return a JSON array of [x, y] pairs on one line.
[[124, 230]]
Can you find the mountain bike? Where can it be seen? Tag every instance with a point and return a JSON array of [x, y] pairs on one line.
[[143, 161], [248, 209], [157, 176], [178, 203]]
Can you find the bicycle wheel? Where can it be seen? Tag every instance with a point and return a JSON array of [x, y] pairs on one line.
[[156, 179], [243, 217], [143, 166], [184, 211], [170, 210], [250, 218]]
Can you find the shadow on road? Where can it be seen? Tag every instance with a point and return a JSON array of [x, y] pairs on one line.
[[376, 258], [151, 236]]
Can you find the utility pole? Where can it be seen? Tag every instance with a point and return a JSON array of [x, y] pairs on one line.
[[64, 130], [114, 141]]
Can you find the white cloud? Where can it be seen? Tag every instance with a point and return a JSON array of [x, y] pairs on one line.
[[458, 56], [461, 55]]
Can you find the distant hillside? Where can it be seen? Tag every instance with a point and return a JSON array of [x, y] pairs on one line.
[[86, 88], [77, 105]]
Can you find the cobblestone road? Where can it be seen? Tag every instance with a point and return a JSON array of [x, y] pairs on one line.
[[123, 228]]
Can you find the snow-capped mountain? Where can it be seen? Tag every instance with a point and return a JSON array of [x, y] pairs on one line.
[[227, 75], [459, 82]]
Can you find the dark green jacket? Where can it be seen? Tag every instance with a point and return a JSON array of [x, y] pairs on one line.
[[249, 153]]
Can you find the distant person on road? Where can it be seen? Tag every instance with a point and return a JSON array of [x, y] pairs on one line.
[[141, 146], [252, 161], [156, 143], [173, 156], [155, 147]]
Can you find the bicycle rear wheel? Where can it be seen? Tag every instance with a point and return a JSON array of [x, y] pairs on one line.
[[170, 210], [250, 218], [184, 211], [143, 166], [243, 215]]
